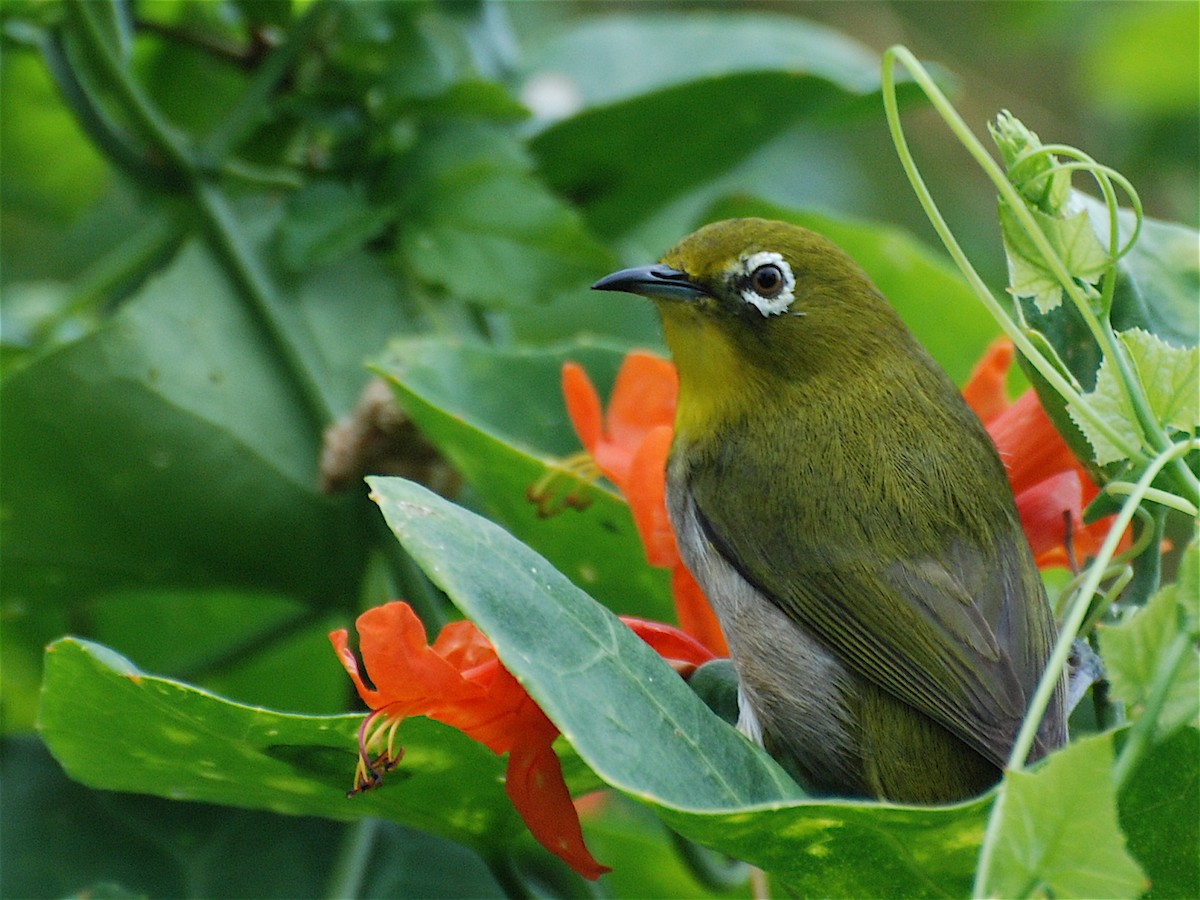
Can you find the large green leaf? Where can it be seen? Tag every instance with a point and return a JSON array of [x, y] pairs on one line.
[[477, 224], [461, 396], [114, 727], [702, 89], [171, 446], [639, 728], [930, 295]]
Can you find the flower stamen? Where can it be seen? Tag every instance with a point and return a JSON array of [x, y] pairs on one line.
[[369, 772]]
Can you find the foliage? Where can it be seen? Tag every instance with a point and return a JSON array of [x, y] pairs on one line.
[[216, 213]]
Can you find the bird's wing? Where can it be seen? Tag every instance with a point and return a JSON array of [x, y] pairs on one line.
[[951, 635]]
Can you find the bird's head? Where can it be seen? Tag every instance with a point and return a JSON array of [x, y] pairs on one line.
[[750, 306]]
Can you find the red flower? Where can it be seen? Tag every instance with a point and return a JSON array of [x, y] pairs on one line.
[[629, 446], [460, 681], [1050, 485]]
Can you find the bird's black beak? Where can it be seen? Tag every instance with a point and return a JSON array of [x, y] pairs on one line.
[[657, 282]]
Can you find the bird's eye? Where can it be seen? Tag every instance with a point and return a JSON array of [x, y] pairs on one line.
[[767, 281]]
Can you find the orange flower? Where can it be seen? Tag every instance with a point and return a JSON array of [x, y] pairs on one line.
[[629, 446], [460, 681], [1050, 485]]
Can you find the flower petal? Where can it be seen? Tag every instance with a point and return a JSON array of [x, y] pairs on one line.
[[1031, 448], [583, 405], [463, 646], [695, 613], [669, 642], [645, 489], [340, 640], [644, 397], [1050, 511], [985, 391], [534, 782], [407, 673]]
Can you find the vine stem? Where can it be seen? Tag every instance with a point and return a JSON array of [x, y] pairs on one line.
[[1062, 650], [960, 130]]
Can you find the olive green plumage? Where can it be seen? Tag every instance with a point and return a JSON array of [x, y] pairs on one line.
[[849, 519]]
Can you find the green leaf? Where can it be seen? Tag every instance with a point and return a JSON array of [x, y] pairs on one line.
[[461, 397], [1058, 833], [1158, 815], [1134, 651], [499, 238], [154, 847], [325, 220], [930, 295], [630, 718], [167, 446], [651, 78], [1109, 401], [1072, 239], [1171, 376], [849, 849], [114, 727]]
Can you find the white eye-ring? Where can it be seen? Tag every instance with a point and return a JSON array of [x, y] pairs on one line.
[[768, 282]]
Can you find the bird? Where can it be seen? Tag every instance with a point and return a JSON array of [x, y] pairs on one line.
[[848, 518]]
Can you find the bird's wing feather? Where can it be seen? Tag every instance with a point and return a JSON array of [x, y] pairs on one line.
[[947, 635]]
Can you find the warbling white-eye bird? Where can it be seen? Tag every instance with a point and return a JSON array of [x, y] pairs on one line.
[[849, 519]]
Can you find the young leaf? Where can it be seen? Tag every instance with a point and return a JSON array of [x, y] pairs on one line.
[[1110, 401], [1073, 240], [1134, 649], [1170, 375], [1059, 835]]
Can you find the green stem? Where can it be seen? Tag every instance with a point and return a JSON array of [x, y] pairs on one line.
[[153, 128], [1154, 495], [353, 858], [1044, 367], [1147, 568], [1079, 608], [81, 96], [259, 291]]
